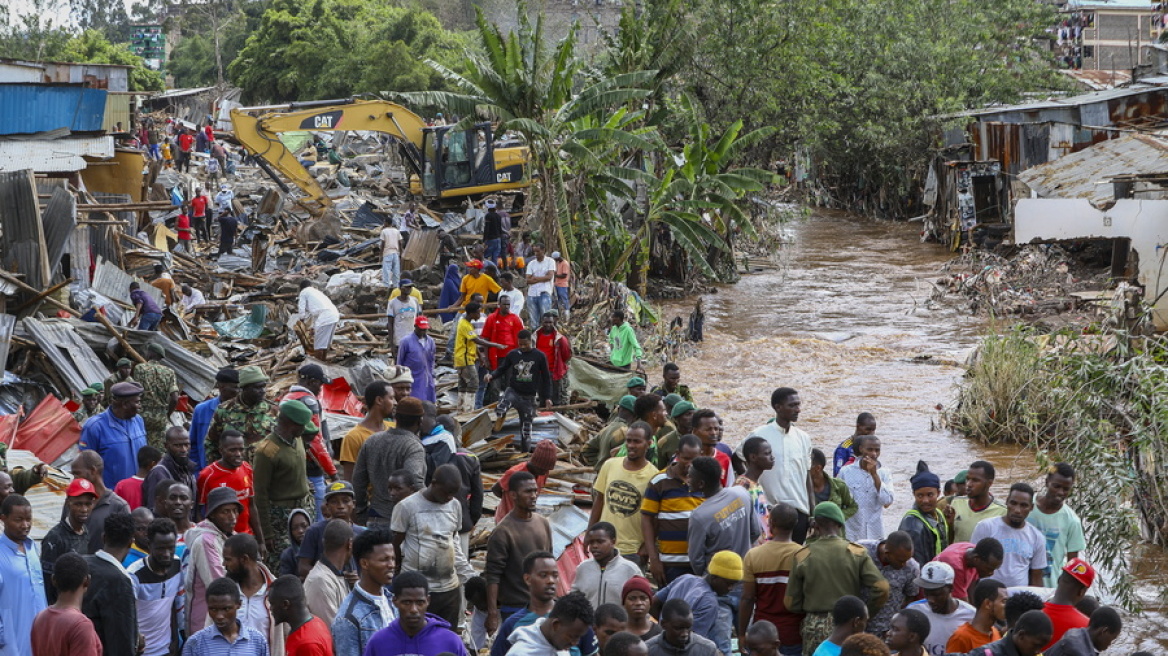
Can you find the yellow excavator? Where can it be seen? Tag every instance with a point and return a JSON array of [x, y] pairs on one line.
[[447, 165]]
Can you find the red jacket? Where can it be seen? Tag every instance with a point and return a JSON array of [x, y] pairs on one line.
[[316, 449], [558, 352], [501, 330]]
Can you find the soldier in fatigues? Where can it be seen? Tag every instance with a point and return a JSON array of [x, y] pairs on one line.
[[90, 405], [159, 394], [828, 568], [279, 476], [249, 413], [121, 374]]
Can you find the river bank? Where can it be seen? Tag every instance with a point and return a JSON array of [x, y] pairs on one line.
[[844, 322]]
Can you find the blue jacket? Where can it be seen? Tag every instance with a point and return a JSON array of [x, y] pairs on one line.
[[435, 638], [200, 422], [358, 618]]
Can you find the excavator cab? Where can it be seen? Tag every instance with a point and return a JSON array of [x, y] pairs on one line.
[[459, 163]]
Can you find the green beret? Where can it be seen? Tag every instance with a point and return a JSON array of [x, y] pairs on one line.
[[636, 381], [829, 510], [157, 349], [627, 402], [100, 387], [253, 374], [680, 408], [89, 391], [297, 413], [124, 362]]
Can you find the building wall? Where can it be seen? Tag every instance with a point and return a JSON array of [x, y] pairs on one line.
[[1115, 42]]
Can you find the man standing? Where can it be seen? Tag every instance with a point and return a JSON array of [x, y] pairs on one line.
[[62, 629], [231, 471], [529, 378], [507, 282], [204, 543], [970, 563], [241, 559], [671, 383], [199, 214], [665, 513], [318, 463], [416, 351], [849, 617], [492, 233], [563, 282], [1057, 521], [558, 351], [725, 521], [425, 532], [110, 602], [521, 532], [401, 313], [826, 569], [307, 635], [325, 584], [414, 631], [249, 413], [540, 271], [467, 357], [71, 534], [907, 633], [1074, 581], [624, 349], [379, 407], [385, 453], [339, 504], [944, 612], [367, 609], [620, 488], [122, 371], [159, 393], [978, 504], [158, 588], [90, 406], [893, 556], [88, 465], [22, 583], [117, 434], [677, 637], [1024, 547], [228, 228], [313, 305], [186, 143], [765, 572], [227, 384], [870, 486], [281, 481], [175, 465], [503, 328], [1103, 629], [223, 600], [788, 482], [390, 253]]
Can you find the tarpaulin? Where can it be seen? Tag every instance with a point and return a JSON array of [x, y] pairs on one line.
[[598, 384], [338, 397], [249, 326]]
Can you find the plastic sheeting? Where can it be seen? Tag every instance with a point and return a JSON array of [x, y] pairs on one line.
[[592, 382], [249, 326]]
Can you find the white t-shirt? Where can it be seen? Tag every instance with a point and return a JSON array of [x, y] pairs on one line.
[[404, 312], [516, 297], [942, 627], [318, 307], [1025, 549], [390, 241], [431, 544], [787, 481], [537, 268]]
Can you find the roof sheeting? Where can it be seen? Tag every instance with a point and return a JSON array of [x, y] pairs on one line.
[[29, 108], [1087, 173], [73, 359], [53, 156], [23, 250]]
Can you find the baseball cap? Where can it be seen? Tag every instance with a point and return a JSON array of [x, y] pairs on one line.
[[935, 575], [314, 372], [80, 486], [474, 264], [339, 487], [422, 322], [405, 282], [555, 255], [1081, 570]]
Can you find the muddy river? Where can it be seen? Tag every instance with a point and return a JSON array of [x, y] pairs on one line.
[[843, 320]]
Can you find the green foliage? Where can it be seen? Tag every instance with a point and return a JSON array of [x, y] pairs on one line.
[[204, 27], [337, 48], [92, 47], [1092, 401]]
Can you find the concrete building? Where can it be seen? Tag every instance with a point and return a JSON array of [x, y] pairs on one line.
[[1114, 32]]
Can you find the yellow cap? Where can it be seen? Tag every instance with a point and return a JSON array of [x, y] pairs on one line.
[[727, 565]]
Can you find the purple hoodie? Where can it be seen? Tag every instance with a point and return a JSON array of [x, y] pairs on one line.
[[434, 639]]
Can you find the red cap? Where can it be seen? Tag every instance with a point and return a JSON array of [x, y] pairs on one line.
[[474, 264], [1081, 571], [422, 322], [79, 487]]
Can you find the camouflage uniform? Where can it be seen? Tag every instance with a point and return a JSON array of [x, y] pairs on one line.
[[254, 422], [22, 479], [158, 382], [281, 486], [113, 379], [81, 415]]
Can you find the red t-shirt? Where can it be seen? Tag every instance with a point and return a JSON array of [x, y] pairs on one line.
[[502, 330], [1064, 617], [727, 467], [63, 632], [240, 479], [505, 505], [130, 489], [311, 639], [186, 142], [182, 225], [964, 578], [199, 205]]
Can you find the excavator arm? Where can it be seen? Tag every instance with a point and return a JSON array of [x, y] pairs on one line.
[[260, 134]]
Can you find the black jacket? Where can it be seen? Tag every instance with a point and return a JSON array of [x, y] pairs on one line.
[[112, 607], [60, 540]]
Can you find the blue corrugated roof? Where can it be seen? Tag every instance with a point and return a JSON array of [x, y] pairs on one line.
[[28, 108]]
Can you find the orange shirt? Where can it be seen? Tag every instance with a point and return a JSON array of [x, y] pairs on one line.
[[966, 638]]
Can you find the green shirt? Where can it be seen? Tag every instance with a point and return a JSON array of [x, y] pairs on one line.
[[828, 568], [279, 476], [623, 342]]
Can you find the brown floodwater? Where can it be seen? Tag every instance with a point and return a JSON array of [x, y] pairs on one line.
[[844, 321]]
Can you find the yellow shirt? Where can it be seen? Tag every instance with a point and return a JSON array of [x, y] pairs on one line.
[[484, 285], [466, 352], [351, 444], [623, 492]]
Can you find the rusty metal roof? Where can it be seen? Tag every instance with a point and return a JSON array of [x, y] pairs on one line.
[[1087, 173], [1099, 80]]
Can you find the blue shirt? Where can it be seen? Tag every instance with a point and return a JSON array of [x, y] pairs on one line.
[[827, 648], [22, 595], [702, 599], [210, 642], [117, 442], [200, 422]]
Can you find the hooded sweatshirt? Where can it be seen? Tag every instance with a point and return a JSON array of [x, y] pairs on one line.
[[435, 638], [289, 558], [530, 641]]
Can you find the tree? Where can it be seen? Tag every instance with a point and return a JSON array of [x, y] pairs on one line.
[[92, 47]]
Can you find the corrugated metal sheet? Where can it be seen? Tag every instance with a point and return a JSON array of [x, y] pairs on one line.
[[53, 156], [112, 282], [1086, 174], [48, 431], [73, 359], [7, 323], [104, 238], [60, 220], [21, 73], [22, 248], [31, 108], [117, 110], [46, 498]]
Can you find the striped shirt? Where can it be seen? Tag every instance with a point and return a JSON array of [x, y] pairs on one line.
[[670, 501], [210, 642], [160, 600], [768, 566]]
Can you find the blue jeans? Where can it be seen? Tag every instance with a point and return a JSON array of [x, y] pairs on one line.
[[494, 249], [391, 269], [563, 302], [149, 321], [318, 488], [537, 305]]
